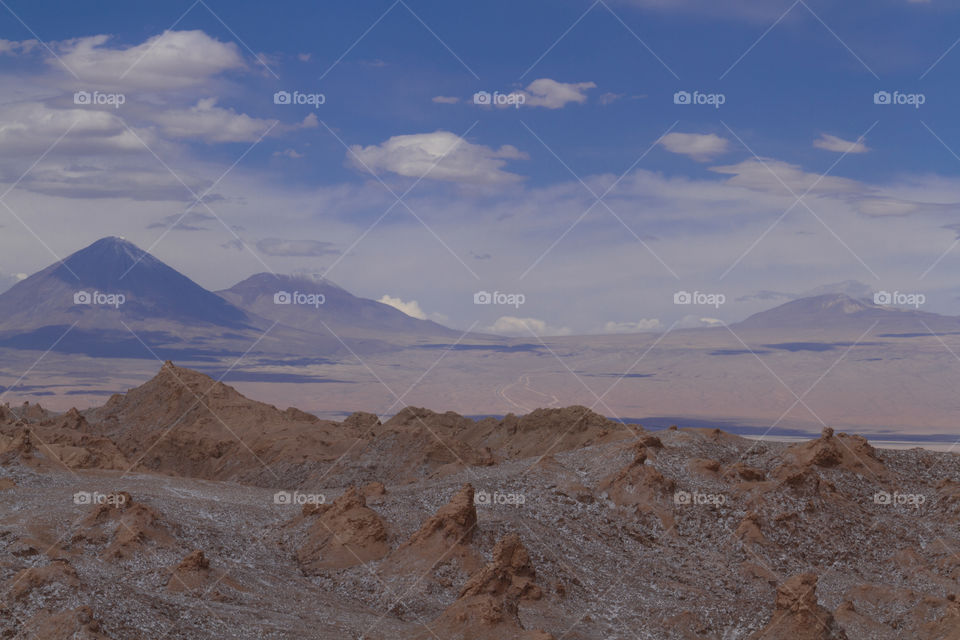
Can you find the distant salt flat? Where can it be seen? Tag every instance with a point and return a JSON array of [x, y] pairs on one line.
[[953, 446]]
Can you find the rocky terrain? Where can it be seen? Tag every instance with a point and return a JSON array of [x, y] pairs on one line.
[[182, 509]]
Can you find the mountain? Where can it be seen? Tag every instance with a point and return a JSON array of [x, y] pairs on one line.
[[118, 298], [113, 299], [109, 268], [316, 304], [838, 311]]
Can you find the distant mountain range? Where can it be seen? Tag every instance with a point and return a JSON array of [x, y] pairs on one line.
[[112, 299], [839, 311]]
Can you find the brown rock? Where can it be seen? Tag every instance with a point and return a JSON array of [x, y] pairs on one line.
[[126, 526], [347, 533], [195, 575], [374, 489], [797, 615], [487, 607], [841, 451], [56, 575], [447, 534], [637, 483], [741, 471], [750, 529], [510, 574], [76, 624]]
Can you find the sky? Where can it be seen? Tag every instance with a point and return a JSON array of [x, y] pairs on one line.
[[589, 161]]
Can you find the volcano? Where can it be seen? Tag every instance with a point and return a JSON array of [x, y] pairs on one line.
[[113, 299], [276, 298]]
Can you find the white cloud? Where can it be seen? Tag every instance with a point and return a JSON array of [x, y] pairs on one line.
[[771, 176], [440, 155], [645, 324], [171, 60], [210, 123], [33, 126], [551, 94], [289, 153], [411, 308], [609, 98], [446, 99], [525, 327], [13, 47], [698, 322], [700, 147], [543, 92], [833, 143], [303, 57]]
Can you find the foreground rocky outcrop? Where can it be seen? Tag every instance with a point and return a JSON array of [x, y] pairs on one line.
[[487, 607], [170, 512], [343, 534], [446, 536]]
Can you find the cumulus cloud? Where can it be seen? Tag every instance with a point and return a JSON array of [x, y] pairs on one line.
[[446, 99], [210, 123], [644, 324], [839, 145], [289, 153], [440, 155], [411, 308], [543, 92], [34, 127], [551, 94], [304, 248], [171, 60], [513, 326], [700, 147]]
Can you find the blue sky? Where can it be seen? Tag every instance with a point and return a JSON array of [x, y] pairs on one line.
[[700, 198]]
